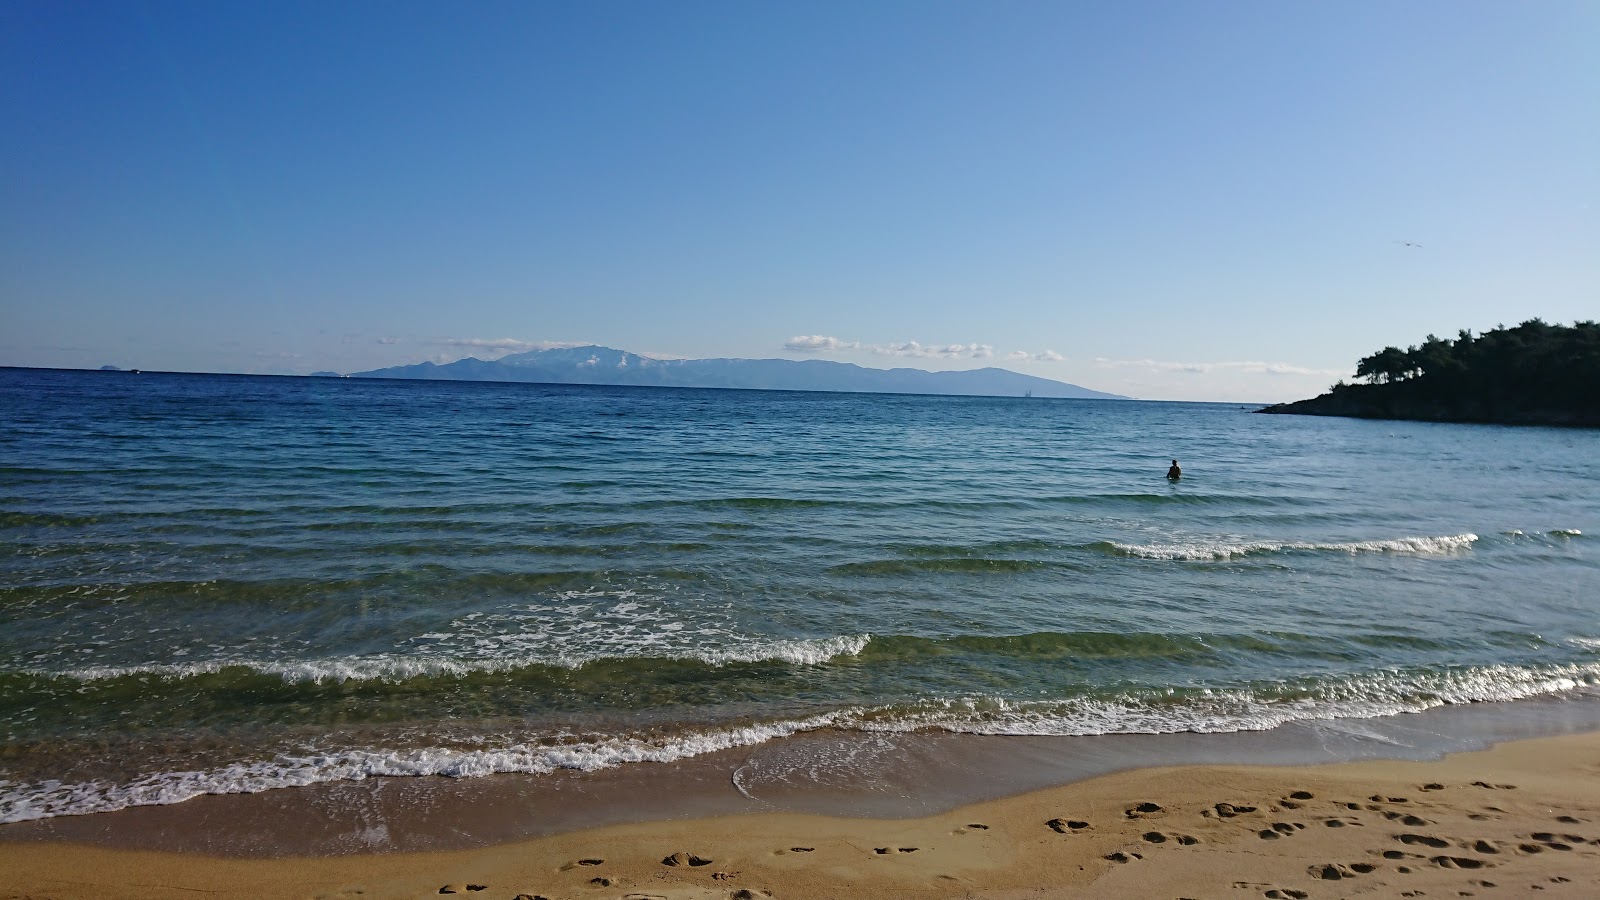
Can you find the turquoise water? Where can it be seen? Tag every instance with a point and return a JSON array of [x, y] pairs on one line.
[[220, 584]]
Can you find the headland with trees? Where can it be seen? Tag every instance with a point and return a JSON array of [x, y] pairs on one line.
[[1533, 374]]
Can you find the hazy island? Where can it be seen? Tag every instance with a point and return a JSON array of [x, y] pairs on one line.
[[1533, 374], [604, 365]]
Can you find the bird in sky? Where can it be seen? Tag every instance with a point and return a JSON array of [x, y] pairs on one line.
[[1409, 244]]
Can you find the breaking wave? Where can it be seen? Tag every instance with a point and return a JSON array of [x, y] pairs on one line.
[[1147, 711], [403, 667], [1221, 549]]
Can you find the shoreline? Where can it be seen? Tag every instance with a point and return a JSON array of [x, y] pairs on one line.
[[1523, 816], [885, 776]]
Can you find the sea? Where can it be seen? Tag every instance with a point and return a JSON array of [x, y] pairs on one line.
[[217, 584]]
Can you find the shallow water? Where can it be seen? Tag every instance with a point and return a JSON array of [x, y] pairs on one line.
[[220, 583]]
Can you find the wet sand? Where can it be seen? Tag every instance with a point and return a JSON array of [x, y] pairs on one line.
[[1519, 819], [828, 773]]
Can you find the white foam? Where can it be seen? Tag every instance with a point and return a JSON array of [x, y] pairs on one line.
[[394, 667], [1566, 532], [570, 630], [20, 802], [1386, 692], [1220, 550], [1383, 693]]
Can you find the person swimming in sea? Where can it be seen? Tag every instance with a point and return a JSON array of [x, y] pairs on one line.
[[1174, 473]]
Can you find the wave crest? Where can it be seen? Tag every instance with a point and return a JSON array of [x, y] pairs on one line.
[[1221, 550], [399, 667], [1150, 711]]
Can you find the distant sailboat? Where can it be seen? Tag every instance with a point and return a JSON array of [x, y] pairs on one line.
[[1027, 393]]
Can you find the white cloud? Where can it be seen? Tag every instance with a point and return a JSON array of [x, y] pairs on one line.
[[818, 343], [506, 344], [1017, 354], [1048, 356], [1193, 368], [503, 346], [388, 340]]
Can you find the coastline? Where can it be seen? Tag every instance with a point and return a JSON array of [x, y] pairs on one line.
[[824, 773], [1523, 815], [1397, 402]]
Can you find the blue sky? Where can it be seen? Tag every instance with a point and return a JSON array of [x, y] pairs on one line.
[[1167, 200]]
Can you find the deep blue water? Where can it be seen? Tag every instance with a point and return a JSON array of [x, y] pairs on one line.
[[225, 583]]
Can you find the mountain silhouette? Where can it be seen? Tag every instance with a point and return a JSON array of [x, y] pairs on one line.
[[605, 365]]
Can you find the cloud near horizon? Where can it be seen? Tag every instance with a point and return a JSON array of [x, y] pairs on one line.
[[1193, 368], [818, 343], [506, 345]]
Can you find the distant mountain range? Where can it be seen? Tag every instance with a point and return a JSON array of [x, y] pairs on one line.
[[604, 365]]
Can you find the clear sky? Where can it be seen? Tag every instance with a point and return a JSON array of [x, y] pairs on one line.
[[1172, 200]]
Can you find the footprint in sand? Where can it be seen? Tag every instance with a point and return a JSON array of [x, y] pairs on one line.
[[462, 888], [1290, 801], [685, 859], [1406, 819], [747, 894], [1423, 839], [591, 861], [1457, 862], [1227, 811], [1156, 837], [1282, 893], [601, 881], [1570, 820], [1431, 786], [1279, 828], [1335, 871], [1068, 826], [1121, 857], [1494, 787], [530, 897], [1144, 809]]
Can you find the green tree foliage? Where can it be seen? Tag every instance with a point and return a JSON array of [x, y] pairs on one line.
[[1501, 374]]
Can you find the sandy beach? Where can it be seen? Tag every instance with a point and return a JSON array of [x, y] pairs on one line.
[[1519, 819]]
